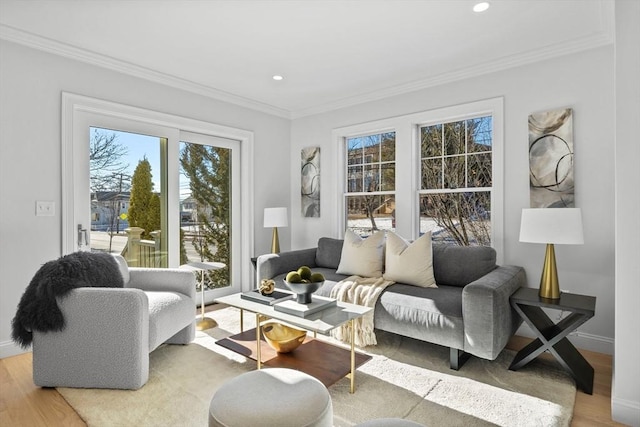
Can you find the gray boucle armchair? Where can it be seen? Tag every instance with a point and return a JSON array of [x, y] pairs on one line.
[[110, 332], [469, 311]]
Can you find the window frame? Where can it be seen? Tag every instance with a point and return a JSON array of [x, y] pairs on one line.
[[407, 129], [365, 164]]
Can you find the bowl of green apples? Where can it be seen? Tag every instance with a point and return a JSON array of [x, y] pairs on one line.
[[303, 282]]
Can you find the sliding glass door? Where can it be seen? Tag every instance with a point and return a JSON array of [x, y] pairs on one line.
[[157, 195], [210, 205]]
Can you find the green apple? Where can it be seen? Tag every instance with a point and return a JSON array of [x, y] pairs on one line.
[[305, 272], [317, 277], [293, 277]]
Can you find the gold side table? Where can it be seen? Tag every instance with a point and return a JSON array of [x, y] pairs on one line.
[[203, 323]]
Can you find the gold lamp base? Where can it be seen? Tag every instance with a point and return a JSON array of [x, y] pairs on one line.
[[549, 286], [205, 323], [275, 242]]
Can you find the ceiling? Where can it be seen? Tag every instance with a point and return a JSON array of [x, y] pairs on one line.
[[332, 54]]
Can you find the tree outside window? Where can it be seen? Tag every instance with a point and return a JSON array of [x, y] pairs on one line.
[[456, 181], [208, 171], [370, 186]]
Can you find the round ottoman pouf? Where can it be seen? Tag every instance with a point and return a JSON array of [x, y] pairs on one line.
[[273, 397], [389, 422]]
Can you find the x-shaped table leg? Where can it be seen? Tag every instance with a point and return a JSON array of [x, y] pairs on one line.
[[553, 337]]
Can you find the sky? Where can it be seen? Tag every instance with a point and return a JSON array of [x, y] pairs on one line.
[[138, 146]]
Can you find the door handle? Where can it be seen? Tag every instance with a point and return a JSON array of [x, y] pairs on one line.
[[82, 232]]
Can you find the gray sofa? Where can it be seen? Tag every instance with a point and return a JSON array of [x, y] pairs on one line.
[[469, 311]]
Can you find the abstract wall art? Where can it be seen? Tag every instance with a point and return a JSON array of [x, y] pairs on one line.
[[310, 185], [551, 183]]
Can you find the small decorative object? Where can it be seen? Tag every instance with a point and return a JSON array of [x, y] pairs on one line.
[[282, 338], [267, 286], [303, 282]]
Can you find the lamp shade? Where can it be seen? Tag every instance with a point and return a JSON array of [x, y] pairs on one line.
[[552, 225], [275, 217]]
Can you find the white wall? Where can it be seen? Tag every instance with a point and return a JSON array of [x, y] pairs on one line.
[[31, 83], [625, 395], [582, 81]]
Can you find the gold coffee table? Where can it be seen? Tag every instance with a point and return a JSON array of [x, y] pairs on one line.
[[323, 360]]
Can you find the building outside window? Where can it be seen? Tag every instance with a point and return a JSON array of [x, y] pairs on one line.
[[370, 183]]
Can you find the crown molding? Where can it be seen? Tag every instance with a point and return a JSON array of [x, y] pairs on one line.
[[62, 49], [603, 37], [494, 66]]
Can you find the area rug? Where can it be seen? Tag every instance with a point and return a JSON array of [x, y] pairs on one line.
[[405, 378]]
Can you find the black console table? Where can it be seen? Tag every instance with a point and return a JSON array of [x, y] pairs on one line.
[[552, 336]]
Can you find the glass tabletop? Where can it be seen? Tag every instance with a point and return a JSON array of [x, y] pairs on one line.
[[321, 322]]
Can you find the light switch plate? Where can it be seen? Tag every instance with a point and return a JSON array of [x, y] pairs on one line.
[[45, 208]]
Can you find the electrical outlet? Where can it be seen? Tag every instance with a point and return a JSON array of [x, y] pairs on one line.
[[44, 208]]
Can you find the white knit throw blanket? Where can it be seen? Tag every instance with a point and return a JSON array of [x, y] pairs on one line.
[[362, 291]]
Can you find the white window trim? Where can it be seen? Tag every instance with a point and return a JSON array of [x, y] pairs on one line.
[[406, 128], [74, 106]]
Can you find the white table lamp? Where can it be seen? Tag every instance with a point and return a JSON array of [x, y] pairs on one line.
[[275, 217], [203, 323], [551, 226]]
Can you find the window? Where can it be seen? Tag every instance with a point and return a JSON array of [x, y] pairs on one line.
[[439, 170], [456, 181], [370, 182]]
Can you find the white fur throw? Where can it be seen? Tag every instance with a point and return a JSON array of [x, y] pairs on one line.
[[362, 291]]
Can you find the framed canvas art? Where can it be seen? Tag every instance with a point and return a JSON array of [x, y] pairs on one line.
[[551, 181], [310, 182]]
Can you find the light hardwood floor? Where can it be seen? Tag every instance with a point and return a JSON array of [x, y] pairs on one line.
[[24, 404]]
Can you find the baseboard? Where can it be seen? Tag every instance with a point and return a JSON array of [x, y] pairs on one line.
[[581, 340], [9, 348], [625, 412]]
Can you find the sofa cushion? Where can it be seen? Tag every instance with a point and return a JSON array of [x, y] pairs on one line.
[[328, 252], [409, 263], [429, 314], [166, 310], [362, 257], [460, 265]]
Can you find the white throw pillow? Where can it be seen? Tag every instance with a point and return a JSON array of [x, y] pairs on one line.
[[410, 263], [362, 257]]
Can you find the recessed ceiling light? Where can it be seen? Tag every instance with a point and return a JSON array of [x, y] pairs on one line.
[[277, 77], [481, 7]]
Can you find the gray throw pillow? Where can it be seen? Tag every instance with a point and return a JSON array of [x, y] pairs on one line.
[[328, 252]]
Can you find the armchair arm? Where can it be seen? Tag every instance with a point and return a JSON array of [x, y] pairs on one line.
[[163, 280], [105, 343], [489, 320], [270, 265]]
